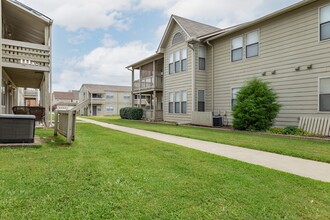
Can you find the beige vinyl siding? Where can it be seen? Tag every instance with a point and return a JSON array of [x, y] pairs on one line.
[[286, 42], [177, 82]]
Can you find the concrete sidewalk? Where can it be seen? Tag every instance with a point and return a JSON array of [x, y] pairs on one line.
[[306, 168]]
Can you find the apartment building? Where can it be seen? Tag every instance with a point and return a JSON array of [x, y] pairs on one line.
[[199, 69], [65, 100], [25, 58], [104, 100]]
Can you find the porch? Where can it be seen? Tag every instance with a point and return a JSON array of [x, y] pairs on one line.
[[25, 40]]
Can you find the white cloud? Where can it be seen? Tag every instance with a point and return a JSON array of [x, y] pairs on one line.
[[108, 41], [103, 65], [77, 14]]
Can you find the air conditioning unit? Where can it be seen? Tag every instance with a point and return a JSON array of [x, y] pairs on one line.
[[17, 128]]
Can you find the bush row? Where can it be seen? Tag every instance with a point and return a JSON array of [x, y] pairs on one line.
[[131, 113], [290, 131]]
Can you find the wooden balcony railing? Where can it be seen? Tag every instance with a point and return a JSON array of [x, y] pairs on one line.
[[148, 83], [143, 101], [25, 55]]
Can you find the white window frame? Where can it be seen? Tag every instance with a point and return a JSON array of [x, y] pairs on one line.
[[183, 59], [127, 96], [200, 57], [177, 59], [246, 44], [231, 96], [108, 106], [231, 48], [177, 95], [204, 98], [171, 57], [171, 94], [319, 24], [318, 95], [186, 101], [110, 94]]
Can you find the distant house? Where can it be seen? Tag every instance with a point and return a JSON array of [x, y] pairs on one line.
[[104, 100], [199, 69], [25, 55], [65, 100]]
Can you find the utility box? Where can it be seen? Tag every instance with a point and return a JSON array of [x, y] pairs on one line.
[[17, 128], [217, 121]]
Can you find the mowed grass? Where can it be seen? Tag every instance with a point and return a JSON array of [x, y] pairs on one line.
[[318, 150], [107, 174]]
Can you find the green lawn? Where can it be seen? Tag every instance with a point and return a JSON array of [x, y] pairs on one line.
[[112, 175], [308, 149]]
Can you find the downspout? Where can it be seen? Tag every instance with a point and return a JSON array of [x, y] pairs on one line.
[[193, 78], [212, 85]]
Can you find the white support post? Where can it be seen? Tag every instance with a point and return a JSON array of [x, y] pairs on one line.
[[154, 74], [154, 106], [132, 94], [46, 98]]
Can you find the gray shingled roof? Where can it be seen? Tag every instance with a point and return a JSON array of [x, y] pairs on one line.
[[96, 88], [194, 28], [65, 95]]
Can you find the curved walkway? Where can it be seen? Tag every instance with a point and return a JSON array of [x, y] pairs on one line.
[[302, 167]]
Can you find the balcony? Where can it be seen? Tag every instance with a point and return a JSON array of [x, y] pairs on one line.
[[98, 101], [148, 83], [143, 102], [22, 55]]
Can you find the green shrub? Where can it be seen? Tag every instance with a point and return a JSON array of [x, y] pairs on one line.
[[131, 113], [290, 130], [256, 107], [276, 130], [295, 131]]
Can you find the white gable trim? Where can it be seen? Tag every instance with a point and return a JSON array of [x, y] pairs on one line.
[[159, 50]]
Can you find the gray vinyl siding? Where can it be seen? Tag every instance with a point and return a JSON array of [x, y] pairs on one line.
[[177, 82], [286, 42]]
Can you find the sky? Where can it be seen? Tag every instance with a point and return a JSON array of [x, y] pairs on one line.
[[94, 40]]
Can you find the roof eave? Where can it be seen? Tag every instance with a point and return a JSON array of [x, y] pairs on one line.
[[262, 19], [145, 60], [36, 14]]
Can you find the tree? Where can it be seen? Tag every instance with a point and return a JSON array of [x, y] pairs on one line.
[[256, 107]]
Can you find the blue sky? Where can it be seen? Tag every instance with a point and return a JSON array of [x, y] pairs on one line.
[[94, 40]]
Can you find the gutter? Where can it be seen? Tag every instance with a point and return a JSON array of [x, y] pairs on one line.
[[212, 85]]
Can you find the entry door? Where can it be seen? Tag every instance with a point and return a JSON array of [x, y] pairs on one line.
[[94, 110]]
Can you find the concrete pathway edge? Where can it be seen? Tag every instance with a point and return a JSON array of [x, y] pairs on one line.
[[301, 167]]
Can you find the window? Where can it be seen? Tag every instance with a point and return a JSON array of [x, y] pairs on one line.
[[252, 44], [110, 109], [201, 101], [183, 60], [178, 38], [109, 95], [325, 23], [171, 63], [324, 95], [177, 102], [170, 103], [234, 92], [177, 61], [201, 55], [237, 49], [127, 96], [184, 102]]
